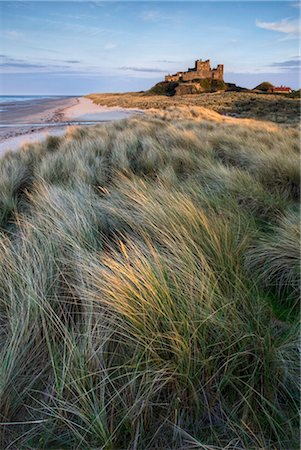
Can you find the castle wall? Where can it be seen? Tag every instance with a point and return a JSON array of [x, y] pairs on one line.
[[176, 77], [201, 70], [171, 78], [188, 76]]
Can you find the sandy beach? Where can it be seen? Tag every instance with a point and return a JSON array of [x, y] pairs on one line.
[[31, 121]]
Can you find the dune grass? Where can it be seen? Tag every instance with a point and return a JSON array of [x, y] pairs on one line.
[[274, 107], [149, 283]]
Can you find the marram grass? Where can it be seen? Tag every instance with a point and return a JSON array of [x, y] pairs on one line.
[[148, 286]]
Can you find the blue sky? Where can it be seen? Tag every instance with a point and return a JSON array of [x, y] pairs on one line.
[[77, 47]]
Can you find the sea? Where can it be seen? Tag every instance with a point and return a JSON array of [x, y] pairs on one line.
[[8, 101], [23, 98]]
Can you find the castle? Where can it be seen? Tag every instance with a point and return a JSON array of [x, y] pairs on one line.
[[200, 70]]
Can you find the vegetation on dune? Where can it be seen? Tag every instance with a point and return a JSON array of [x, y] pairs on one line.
[[295, 94], [265, 86], [163, 88], [276, 108], [196, 86], [149, 279]]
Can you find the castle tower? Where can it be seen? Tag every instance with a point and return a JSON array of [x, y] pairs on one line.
[[202, 66], [218, 73]]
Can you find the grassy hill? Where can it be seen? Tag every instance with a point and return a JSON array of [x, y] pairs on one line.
[[163, 88], [264, 87], [149, 285], [181, 88]]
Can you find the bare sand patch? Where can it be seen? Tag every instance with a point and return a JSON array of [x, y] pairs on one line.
[[87, 110]]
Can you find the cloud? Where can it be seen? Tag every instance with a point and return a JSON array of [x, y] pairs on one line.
[[14, 35], [142, 69], [15, 65], [223, 28], [291, 65], [72, 16], [287, 26], [285, 67], [66, 67], [43, 49], [72, 61], [157, 16], [23, 65], [110, 46], [79, 28], [150, 16], [167, 61]]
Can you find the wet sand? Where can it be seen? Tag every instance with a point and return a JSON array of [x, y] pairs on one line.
[[31, 121], [34, 110]]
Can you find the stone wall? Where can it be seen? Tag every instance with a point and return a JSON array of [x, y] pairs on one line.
[[201, 70], [218, 73], [171, 78]]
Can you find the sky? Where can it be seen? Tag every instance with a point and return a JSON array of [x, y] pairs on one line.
[[79, 47]]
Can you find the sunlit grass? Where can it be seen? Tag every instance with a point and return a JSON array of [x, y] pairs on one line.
[[148, 286], [280, 109]]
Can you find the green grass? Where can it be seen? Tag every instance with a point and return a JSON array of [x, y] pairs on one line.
[[264, 86], [148, 286]]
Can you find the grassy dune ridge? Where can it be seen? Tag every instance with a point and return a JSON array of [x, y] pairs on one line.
[[149, 283], [273, 107]]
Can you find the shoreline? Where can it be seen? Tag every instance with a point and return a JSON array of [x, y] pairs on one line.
[[17, 117], [34, 121]]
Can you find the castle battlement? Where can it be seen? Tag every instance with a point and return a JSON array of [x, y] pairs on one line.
[[201, 70]]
